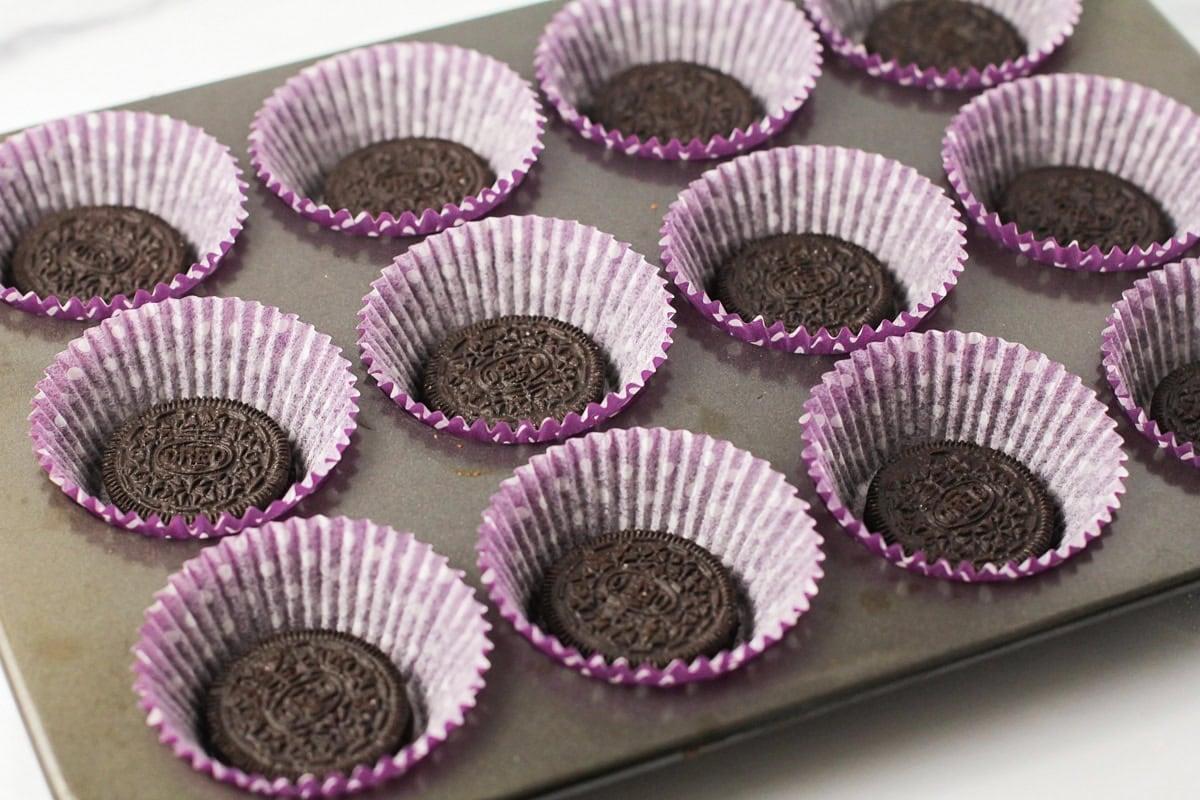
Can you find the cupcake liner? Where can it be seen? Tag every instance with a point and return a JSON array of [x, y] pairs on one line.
[[767, 45], [192, 347], [516, 265], [388, 91], [354, 576], [890, 209], [963, 386], [1153, 330], [703, 489], [1085, 121], [129, 158], [1043, 24]]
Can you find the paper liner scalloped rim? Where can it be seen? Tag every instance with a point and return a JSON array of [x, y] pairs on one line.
[[407, 224], [1185, 451], [674, 150], [361, 777], [678, 672], [526, 431], [1049, 251], [97, 308], [777, 337], [931, 77], [942, 568], [203, 527]]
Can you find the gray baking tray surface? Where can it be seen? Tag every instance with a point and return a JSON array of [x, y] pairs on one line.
[[72, 590]]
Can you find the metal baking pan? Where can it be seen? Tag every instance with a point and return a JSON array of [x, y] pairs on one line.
[[72, 590]]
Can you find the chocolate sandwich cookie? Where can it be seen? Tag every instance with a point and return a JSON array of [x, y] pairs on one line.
[[674, 100], [307, 702], [98, 251], [1083, 205], [1175, 405], [962, 502], [514, 368], [406, 175], [203, 456], [943, 34], [807, 279], [648, 596]]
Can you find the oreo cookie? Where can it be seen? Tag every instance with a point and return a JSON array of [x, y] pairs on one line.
[[1083, 205], [943, 34], [808, 279], [674, 100], [1175, 405], [307, 702], [962, 502], [410, 174], [203, 456], [647, 596], [514, 368], [98, 251]]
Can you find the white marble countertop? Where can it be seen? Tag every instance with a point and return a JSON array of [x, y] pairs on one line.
[[1107, 711]]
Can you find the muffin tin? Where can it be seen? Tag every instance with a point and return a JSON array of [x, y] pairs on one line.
[[72, 589]]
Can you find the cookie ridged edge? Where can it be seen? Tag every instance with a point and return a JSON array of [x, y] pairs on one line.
[[120, 497]]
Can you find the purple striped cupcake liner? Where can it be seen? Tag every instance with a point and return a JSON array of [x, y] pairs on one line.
[[192, 347], [516, 265], [353, 576], [1088, 121], [703, 489], [887, 208], [1153, 330], [939, 386], [127, 158], [769, 46], [390, 91], [1043, 24]]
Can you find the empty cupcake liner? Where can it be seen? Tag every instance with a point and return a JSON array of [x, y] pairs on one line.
[[1153, 330], [1043, 24], [353, 576], [939, 386], [887, 208], [129, 158], [192, 347], [703, 489], [389, 91], [516, 265], [1085, 121], [767, 45]]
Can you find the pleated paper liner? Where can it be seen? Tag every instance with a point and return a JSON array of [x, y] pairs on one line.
[[1043, 24], [1075, 120], [390, 91], [888, 208], [969, 387], [703, 489], [353, 576], [768, 46], [192, 347], [1153, 330], [127, 158], [516, 265]]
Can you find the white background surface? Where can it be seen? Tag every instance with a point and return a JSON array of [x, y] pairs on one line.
[[1109, 711]]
